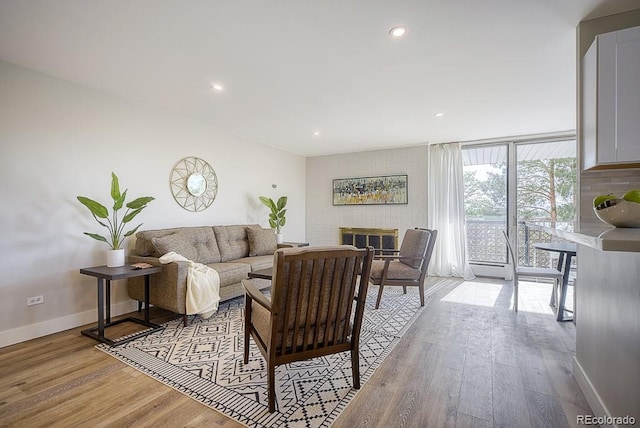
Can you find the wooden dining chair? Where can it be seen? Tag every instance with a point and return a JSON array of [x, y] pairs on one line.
[[533, 272], [316, 307], [409, 266]]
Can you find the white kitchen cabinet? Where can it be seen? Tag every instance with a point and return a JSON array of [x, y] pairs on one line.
[[611, 101]]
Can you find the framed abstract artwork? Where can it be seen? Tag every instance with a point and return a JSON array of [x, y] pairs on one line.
[[381, 190]]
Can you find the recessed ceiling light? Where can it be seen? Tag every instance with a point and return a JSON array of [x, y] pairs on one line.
[[316, 133], [217, 87], [439, 114], [398, 31]]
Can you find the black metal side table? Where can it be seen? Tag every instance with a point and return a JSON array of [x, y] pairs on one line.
[[108, 274]]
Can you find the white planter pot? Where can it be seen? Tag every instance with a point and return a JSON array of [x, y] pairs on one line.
[[115, 258], [279, 238]]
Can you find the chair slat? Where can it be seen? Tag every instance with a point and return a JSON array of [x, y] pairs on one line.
[[325, 286], [289, 306], [333, 307], [301, 305], [350, 287], [340, 307], [309, 328]]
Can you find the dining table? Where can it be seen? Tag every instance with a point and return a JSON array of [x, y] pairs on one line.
[[566, 252]]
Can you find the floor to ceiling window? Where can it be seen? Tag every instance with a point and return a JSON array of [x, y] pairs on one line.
[[485, 200], [512, 184]]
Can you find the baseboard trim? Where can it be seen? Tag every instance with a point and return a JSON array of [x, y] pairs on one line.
[[590, 394], [491, 271], [56, 325]]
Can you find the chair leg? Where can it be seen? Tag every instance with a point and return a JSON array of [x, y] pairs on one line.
[[271, 386], [515, 293], [185, 320], [380, 289], [355, 367], [421, 289], [247, 329], [404, 289], [246, 347], [562, 296]]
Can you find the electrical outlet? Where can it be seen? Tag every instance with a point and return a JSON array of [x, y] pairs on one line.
[[35, 300]]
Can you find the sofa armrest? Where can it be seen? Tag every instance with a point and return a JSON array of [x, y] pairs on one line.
[[141, 259], [254, 294], [168, 289]]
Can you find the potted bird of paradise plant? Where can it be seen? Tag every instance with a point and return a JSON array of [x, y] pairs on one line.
[[114, 223]]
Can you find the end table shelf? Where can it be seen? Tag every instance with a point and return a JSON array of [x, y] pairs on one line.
[[108, 274]]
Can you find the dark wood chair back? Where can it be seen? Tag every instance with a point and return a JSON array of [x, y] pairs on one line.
[[409, 267], [317, 303]]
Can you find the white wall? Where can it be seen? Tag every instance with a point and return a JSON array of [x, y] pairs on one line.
[[59, 140], [324, 219]]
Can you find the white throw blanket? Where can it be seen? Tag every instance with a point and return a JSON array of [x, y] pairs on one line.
[[203, 286]]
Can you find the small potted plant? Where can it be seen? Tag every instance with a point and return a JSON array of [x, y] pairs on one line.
[[277, 217], [113, 223]]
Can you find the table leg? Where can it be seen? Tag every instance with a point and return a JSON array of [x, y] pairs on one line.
[[100, 308], [560, 261], [554, 298], [108, 301], [563, 290], [146, 298]]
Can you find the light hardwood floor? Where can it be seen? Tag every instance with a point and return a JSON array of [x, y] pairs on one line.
[[468, 361]]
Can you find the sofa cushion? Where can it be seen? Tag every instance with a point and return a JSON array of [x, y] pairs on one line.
[[202, 238], [262, 242], [177, 243], [257, 262], [397, 270], [232, 241], [230, 273], [144, 246], [261, 320]]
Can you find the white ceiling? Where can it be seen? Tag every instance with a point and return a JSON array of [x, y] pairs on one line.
[[290, 67]]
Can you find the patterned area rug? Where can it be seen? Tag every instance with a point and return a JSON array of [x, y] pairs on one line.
[[204, 361]]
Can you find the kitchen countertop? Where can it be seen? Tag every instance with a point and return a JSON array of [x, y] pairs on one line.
[[600, 237]]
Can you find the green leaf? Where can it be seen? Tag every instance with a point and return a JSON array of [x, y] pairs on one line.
[[127, 218], [96, 236], [282, 202], [96, 208], [115, 187], [140, 202], [267, 201], [120, 201], [132, 231], [272, 223], [273, 217], [282, 221]]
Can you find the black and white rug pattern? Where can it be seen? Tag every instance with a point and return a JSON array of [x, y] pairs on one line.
[[204, 361]]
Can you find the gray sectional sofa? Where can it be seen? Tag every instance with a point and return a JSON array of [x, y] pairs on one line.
[[233, 251]]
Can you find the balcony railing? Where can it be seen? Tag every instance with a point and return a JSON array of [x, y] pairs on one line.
[[485, 242]]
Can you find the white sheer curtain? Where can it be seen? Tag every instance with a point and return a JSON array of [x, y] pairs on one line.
[[445, 208]]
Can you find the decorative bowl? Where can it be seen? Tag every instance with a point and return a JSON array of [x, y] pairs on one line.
[[620, 213]]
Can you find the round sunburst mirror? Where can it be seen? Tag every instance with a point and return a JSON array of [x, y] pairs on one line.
[[194, 184]]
